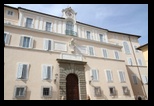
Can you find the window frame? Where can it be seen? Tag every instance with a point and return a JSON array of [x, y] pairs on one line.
[[10, 11], [88, 51], [123, 75], [139, 62], [50, 91], [106, 52], [128, 61], [32, 24], [127, 48], [46, 26], [136, 51], [107, 75], [125, 93], [44, 44], [97, 74], [99, 90], [51, 72], [7, 38], [24, 92], [146, 78], [31, 41], [114, 91], [115, 55], [27, 71], [134, 81]]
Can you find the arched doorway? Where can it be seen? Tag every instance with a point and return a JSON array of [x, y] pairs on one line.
[[72, 90]]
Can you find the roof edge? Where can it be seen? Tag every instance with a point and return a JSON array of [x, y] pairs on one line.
[[10, 7], [142, 46]]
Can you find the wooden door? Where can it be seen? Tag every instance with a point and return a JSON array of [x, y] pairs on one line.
[[72, 90]]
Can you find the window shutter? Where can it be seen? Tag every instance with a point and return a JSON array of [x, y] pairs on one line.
[[25, 71], [31, 43], [21, 41], [50, 91], [8, 36], [45, 74], [144, 79], [45, 44], [91, 73], [48, 71], [51, 72], [49, 44], [24, 92], [20, 69]]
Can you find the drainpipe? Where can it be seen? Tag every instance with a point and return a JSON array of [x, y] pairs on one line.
[[138, 68]]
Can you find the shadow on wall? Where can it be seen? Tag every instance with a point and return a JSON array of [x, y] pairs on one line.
[[137, 88]]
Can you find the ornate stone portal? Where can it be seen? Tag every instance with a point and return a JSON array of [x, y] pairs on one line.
[[75, 67]]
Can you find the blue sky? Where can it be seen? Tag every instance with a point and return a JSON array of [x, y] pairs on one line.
[[126, 18]]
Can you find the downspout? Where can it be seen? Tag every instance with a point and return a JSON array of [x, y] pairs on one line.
[[138, 68]]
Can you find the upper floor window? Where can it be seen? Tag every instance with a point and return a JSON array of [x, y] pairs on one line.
[[102, 38], [94, 74], [145, 79], [48, 26], [91, 51], [116, 54], [136, 49], [88, 35], [69, 26], [97, 91], [129, 59], [105, 54], [29, 22], [48, 44], [109, 76], [10, 13], [7, 38], [47, 72], [22, 71], [134, 77], [26, 41], [140, 62], [126, 47], [121, 75]]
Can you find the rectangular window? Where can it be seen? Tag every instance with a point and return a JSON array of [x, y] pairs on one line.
[[88, 35], [10, 13], [22, 71], [105, 55], [126, 48], [116, 54], [139, 62], [112, 91], [121, 76], [48, 26], [46, 91], [145, 79], [97, 91], [60, 46], [136, 49], [91, 51], [125, 90], [94, 74], [47, 72], [48, 44], [29, 23], [82, 49], [20, 91], [26, 42], [134, 77], [109, 76], [7, 37], [129, 60], [102, 38]]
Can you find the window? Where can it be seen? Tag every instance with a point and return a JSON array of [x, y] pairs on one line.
[[104, 53], [88, 35], [7, 37], [29, 22], [48, 44], [136, 49], [10, 13], [47, 72], [125, 90], [112, 91], [91, 51], [26, 42], [97, 91], [48, 26], [121, 75], [20, 91], [22, 71], [134, 79], [46, 91], [109, 76], [139, 62], [82, 49], [60, 46], [145, 79], [116, 54], [69, 26], [126, 47], [94, 74], [102, 38], [129, 60]]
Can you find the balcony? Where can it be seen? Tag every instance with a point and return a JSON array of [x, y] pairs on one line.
[[70, 32], [28, 25]]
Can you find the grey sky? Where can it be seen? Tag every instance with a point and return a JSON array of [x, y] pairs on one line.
[[126, 18]]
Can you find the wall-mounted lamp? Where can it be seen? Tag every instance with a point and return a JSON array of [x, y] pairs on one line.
[[91, 80], [56, 76]]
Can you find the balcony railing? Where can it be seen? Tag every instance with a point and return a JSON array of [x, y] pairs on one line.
[[70, 32], [28, 25]]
